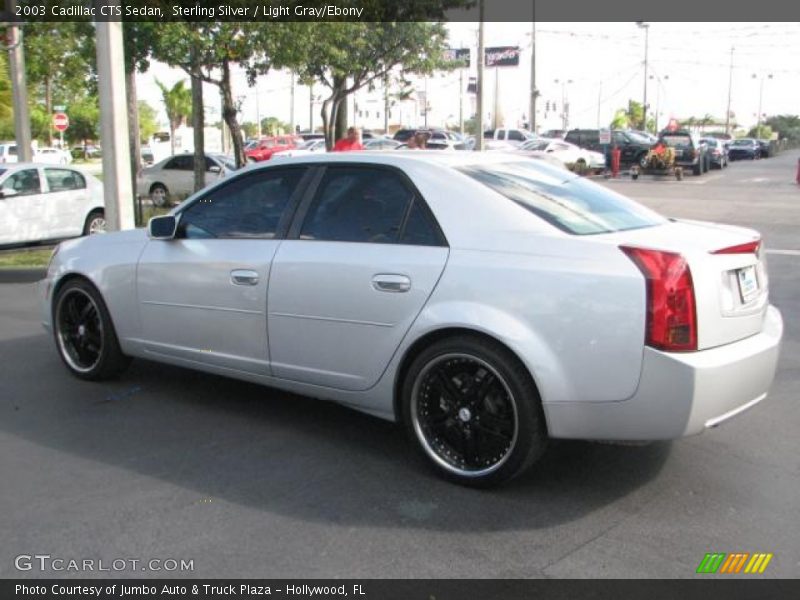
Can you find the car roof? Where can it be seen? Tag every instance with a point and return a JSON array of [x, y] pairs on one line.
[[405, 158]]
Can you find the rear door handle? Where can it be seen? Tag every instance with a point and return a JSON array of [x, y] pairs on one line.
[[244, 277], [391, 283]]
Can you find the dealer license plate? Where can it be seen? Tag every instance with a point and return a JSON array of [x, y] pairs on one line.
[[748, 283]]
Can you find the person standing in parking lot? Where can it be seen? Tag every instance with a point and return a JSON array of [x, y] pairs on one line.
[[349, 143]]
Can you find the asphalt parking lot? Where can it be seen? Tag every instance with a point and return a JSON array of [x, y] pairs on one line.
[[247, 482]]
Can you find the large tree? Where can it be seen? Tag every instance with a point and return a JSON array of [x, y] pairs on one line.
[[209, 51], [346, 57], [59, 64]]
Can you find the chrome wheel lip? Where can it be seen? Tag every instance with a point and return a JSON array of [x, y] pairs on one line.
[[61, 338], [426, 445]]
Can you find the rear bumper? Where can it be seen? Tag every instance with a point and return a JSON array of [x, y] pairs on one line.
[[679, 394]]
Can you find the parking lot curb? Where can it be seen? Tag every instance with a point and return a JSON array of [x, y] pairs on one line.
[[21, 275]]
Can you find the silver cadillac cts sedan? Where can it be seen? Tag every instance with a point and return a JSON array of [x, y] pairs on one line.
[[486, 302]]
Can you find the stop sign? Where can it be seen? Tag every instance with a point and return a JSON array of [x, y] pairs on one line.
[[60, 121]]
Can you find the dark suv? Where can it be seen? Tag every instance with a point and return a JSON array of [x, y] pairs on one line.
[[633, 147], [690, 151]]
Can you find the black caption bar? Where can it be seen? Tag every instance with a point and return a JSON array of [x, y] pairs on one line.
[[396, 10], [399, 589]]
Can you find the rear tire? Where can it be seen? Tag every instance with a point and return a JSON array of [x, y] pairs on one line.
[[84, 333], [95, 223], [454, 384]]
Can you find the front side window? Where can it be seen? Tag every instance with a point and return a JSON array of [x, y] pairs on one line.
[[360, 205], [516, 136], [251, 207], [23, 183], [62, 180], [573, 205]]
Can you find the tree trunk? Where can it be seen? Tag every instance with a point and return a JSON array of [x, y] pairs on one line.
[[198, 124], [48, 106], [229, 115], [172, 137], [327, 120], [134, 140]]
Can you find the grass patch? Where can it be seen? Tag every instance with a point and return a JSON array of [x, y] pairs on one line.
[[25, 259]]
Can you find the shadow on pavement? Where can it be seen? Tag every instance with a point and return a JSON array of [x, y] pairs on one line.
[[288, 454]]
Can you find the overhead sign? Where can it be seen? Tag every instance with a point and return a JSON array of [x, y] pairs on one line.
[[60, 121], [460, 55], [502, 56]]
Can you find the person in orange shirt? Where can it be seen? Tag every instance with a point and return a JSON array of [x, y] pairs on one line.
[[349, 143]]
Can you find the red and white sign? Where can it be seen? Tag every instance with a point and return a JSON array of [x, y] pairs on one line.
[[60, 121]]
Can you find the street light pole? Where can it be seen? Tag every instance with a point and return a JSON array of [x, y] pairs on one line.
[[646, 27], [479, 81], [760, 98], [532, 119], [730, 87]]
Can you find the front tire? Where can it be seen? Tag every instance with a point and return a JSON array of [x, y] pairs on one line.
[[473, 412], [84, 333]]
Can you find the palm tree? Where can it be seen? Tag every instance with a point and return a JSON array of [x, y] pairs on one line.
[[178, 104], [705, 121]]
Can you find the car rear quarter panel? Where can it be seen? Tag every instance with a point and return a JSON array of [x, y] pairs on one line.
[[574, 313]]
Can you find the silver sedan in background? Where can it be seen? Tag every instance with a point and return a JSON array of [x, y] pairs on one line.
[[487, 302]]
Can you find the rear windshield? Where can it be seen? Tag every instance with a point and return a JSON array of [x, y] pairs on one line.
[[677, 140], [574, 205], [743, 143]]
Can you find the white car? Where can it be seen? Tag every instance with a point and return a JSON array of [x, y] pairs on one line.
[[39, 203], [174, 176], [308, 147], [569, 154], [486, 301], [53, 156]]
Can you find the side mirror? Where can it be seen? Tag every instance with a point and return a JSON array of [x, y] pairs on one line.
[[163, 227]]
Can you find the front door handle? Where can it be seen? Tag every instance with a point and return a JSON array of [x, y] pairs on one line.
[[391, 283], [244, 277]]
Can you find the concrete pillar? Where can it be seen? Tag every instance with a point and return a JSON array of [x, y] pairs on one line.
[[119, 199]]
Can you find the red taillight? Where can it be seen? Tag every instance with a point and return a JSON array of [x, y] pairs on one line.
[[671, 314], [748, 248]]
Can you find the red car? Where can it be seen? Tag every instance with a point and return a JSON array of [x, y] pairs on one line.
[[264, 148]]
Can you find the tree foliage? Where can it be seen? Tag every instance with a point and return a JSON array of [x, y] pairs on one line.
[[148, 121], [346, 57], [178, 104], [787, 126]]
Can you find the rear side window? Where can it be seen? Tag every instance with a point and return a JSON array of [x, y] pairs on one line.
[[367, 205], [62, 180], [516, 136], [574, 205], [675, 141]]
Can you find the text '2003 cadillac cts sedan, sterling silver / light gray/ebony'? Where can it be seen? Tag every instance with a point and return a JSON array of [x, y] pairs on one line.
[[487, 302]]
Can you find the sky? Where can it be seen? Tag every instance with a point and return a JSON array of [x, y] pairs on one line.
[[596, 67]]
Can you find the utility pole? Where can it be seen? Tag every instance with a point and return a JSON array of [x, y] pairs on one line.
[[646, 27], [730, 87], [534, 93], [117, 186], [291, 106], [479, 81], [311, 107], [16, 61], [599, 101], [461, 97], [386, 103]]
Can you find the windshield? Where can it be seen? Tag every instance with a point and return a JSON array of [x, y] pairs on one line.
[[638, 137], [575, 206]]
